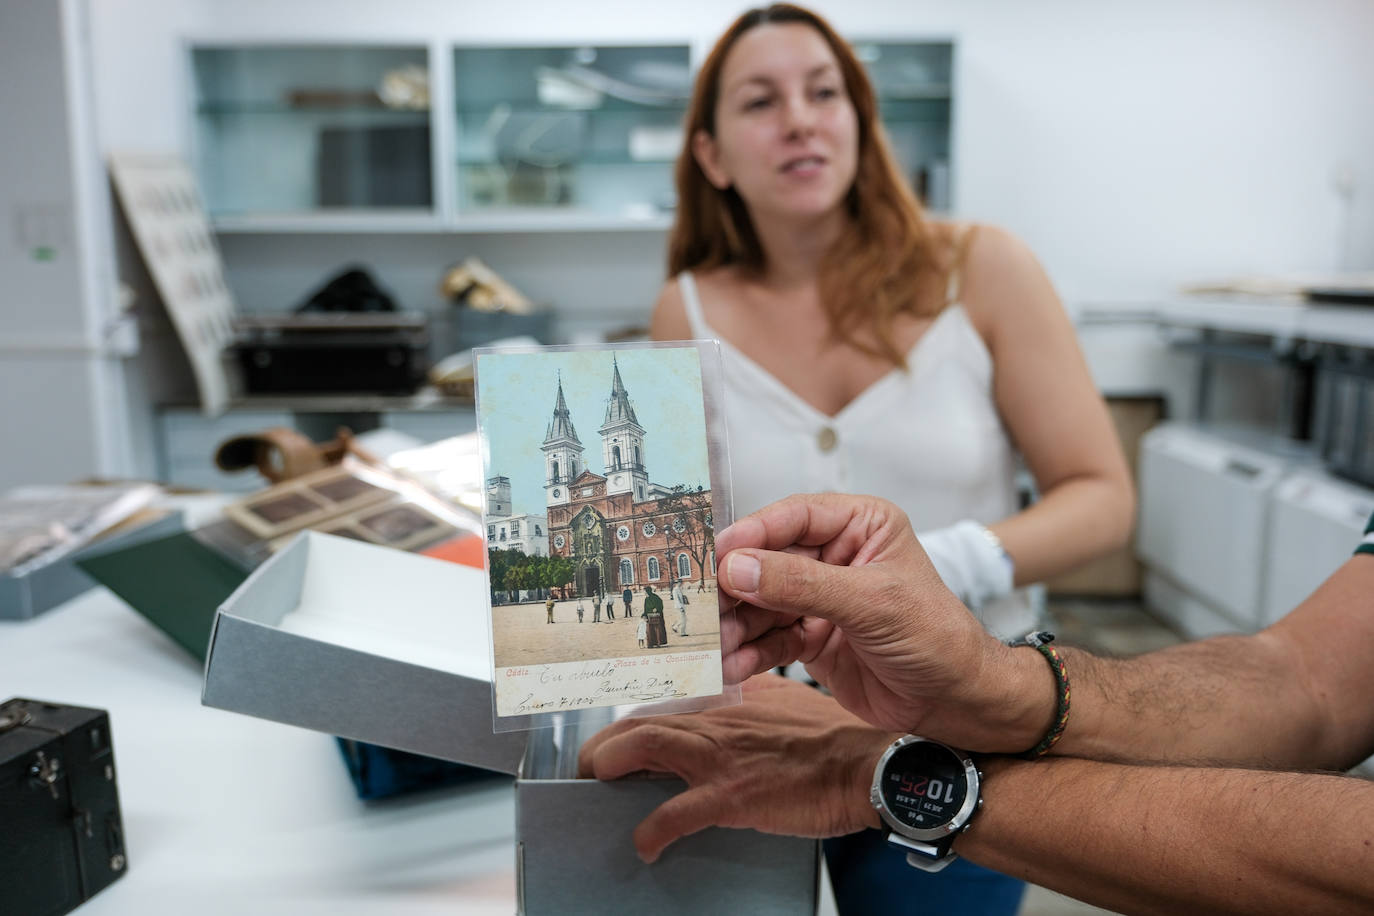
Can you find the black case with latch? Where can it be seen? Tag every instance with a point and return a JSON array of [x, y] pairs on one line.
[[61, 835]]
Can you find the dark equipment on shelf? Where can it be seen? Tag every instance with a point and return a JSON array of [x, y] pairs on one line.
[[354, 290], [346, 337], [61, 836], [312, 354]]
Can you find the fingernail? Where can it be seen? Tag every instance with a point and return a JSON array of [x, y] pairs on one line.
[[744, 572]]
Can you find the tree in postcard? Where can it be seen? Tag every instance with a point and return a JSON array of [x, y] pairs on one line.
[[687, 514]]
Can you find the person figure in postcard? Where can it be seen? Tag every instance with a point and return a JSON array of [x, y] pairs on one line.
[[642, 632], [596, 610], [869, 348], [627, 596], [680, 600], [548, 609], [653, 615], [610, 608], [580, 609]]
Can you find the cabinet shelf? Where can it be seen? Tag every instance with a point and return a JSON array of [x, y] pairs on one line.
[[277, 109], [510, 220], [295, 138]]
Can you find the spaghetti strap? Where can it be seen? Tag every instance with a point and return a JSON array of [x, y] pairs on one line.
[[955, 287], [691, 303]]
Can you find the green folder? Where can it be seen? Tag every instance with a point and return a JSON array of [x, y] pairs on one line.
[[176, 582]]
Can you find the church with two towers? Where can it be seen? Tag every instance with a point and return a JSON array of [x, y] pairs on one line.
[[619, 529]]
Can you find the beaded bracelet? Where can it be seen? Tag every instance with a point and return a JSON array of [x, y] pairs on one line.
[[1040, 641], [1367, 545]]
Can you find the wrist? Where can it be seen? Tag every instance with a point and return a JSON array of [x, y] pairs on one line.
[[1017, 700], [868, 751], [992, 768]]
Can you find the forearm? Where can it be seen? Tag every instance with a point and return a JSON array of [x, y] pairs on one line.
[[1294, 696], [1077, 521], [1229, 700], [1169, 840]]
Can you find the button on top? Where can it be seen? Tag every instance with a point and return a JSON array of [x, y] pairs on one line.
[[826, 439]]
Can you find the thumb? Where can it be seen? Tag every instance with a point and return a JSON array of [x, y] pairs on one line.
[[795, 584]]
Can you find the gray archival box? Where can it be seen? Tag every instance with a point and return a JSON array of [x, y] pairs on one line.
[[316, 637]]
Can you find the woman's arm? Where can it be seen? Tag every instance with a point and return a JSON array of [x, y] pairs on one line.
[[1053, 411]]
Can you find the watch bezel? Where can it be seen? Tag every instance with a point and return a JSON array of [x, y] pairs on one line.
[[961, 817]]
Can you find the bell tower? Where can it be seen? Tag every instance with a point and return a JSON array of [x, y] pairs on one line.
[[562, 453], [622, 443]]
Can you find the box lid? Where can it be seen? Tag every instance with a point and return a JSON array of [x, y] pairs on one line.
[[366, 642], [175, 582]]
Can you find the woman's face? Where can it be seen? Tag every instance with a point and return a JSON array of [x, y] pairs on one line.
[[786, 132]]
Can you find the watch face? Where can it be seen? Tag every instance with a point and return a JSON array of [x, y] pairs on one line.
[[924, 785]]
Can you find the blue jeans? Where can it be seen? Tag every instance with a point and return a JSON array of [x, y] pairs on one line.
[[870, 876]]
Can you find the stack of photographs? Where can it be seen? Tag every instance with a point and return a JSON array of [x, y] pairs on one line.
[[352, 499]]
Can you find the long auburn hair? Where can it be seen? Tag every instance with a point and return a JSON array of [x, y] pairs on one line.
[[874, 271]]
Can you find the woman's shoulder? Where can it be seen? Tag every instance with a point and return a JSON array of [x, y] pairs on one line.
[[669, 320], [1001, 277], [972, 245], [670, 316]]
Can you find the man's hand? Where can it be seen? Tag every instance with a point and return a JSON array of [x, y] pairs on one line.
[[788, 760], [842, 584]]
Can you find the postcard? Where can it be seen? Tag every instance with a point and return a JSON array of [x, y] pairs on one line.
[[605, 484]]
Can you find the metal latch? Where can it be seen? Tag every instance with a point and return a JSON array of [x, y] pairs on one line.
[[46, 771]]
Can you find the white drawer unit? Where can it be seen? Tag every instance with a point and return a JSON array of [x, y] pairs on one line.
[[1187, 614], [1314, 524], [1204, 505]]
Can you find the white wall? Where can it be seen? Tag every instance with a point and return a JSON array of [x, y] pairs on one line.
[[64, 402], [1136, 145]]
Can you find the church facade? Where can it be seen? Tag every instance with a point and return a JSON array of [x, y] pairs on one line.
[[619, 528]]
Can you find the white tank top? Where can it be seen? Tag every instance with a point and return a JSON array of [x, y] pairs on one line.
[[928, 438]]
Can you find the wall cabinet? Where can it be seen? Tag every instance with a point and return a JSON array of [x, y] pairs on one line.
[[458, 138], [914, 81], [302, 129], [591, 130]]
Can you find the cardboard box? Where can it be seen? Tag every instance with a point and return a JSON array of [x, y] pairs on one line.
[[175, 582], [22, 597], [391, 648]]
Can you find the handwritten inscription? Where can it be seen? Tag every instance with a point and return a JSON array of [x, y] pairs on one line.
[[607, 682]]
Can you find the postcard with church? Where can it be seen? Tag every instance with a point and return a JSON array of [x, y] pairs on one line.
[[606, 480]]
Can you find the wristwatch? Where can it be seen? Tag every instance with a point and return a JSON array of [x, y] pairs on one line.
[[926, 793]]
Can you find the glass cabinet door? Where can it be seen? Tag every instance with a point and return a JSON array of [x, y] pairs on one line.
[[914, 85], [310, 129], [552, 131]]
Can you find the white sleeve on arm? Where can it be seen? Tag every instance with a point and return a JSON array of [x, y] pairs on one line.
[[971, 561]]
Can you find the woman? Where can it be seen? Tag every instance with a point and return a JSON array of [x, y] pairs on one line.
[[870, 349]]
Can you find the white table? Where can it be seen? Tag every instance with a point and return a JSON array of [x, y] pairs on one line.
[[226, 814]]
